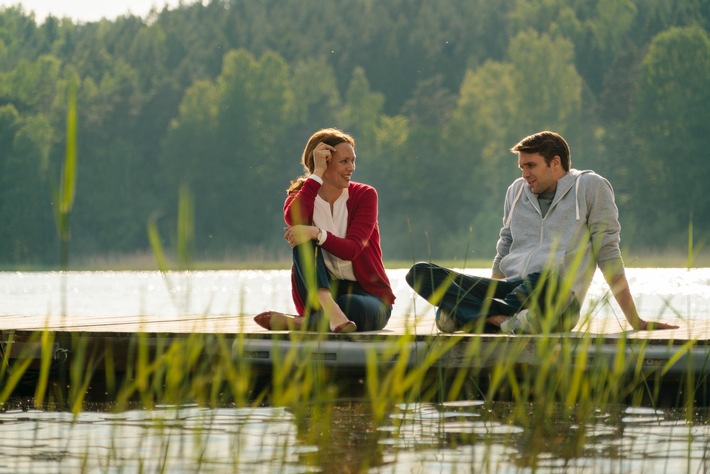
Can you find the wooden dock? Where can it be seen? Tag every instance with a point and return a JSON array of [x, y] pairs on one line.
[[606, 334], [689, 329], [677, 360]]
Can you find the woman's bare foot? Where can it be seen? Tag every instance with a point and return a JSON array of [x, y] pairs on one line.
[[337, 321]]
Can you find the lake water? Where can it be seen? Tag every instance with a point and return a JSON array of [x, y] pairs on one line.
[[658, 293], [457, 437], [465, 436]]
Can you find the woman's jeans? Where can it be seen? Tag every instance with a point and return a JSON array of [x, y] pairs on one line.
[[366, 310], [466, 297]]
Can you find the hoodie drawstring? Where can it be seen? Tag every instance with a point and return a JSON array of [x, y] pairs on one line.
[[512, 207], [520, 191], [576, 197]]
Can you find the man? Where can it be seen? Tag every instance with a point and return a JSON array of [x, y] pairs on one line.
[[559, 224]]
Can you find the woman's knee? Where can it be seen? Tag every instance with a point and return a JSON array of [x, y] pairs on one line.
[[367, 311]]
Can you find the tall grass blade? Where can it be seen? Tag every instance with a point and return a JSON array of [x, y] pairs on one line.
[[185, 227], [69, 173], [64, 195], [47, 339], [155, 244]]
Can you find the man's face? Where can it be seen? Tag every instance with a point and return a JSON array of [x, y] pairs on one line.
[[540, 176]]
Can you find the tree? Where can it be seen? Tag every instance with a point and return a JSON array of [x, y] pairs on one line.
[[317, 102], [548, 88], [477, 137], [24, 150], [226, 142], [670, 125], [361, 113]]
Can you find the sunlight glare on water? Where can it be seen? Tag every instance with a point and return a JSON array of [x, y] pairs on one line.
[[666, 292]]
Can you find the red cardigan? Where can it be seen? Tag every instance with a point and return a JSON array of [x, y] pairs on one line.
[[361, 245]]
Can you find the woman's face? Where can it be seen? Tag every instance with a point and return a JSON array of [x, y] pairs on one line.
[[341, 166]]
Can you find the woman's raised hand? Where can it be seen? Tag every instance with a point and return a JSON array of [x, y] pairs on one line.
[[321, 156]]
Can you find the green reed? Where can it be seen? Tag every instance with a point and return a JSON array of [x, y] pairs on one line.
[[65, 193]]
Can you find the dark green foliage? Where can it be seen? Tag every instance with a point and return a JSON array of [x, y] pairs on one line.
[[222, 97]]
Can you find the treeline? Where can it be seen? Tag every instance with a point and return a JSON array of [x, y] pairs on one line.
[[221, 97]]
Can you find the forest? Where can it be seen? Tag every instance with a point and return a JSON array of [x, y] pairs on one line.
[[219, 97]]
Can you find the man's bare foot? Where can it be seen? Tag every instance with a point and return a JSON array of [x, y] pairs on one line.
[[496, 320]]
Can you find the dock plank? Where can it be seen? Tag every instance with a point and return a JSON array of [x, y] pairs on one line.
[[689, 329], [670, 353]]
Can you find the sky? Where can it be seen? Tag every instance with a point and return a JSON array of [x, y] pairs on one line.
[[90, 10]]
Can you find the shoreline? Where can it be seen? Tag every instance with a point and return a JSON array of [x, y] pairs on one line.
[[146, 262]]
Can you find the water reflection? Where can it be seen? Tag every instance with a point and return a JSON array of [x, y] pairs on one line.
[[483, 438], [187, 439], [458, 437]]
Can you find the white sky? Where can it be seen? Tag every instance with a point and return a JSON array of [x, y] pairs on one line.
[[90, 10]]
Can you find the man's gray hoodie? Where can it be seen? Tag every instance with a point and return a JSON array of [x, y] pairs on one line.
[[579, 232]]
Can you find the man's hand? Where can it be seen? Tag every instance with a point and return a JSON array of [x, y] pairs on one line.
[[620, 289], [654, 326]]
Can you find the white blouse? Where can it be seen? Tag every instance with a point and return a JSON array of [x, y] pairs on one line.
[[335, 222]]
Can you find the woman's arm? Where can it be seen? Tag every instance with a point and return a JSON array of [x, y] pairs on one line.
[[299, 205]]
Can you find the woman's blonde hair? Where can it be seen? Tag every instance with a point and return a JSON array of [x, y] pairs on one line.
[[329, 136]]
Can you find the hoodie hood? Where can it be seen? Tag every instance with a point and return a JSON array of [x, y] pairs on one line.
[[579, 231], [564, 185]]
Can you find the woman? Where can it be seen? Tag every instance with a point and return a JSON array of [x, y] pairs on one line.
[[338, 280]]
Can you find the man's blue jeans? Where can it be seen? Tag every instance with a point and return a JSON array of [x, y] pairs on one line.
[[468, 297]]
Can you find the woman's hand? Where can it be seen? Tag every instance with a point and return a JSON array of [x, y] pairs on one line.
[[321, 156], [297, 234]]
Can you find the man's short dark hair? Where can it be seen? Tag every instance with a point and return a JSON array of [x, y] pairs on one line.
[[548, 144]]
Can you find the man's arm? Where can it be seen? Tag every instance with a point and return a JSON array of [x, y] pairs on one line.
[[619, 286], [605, 231]]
